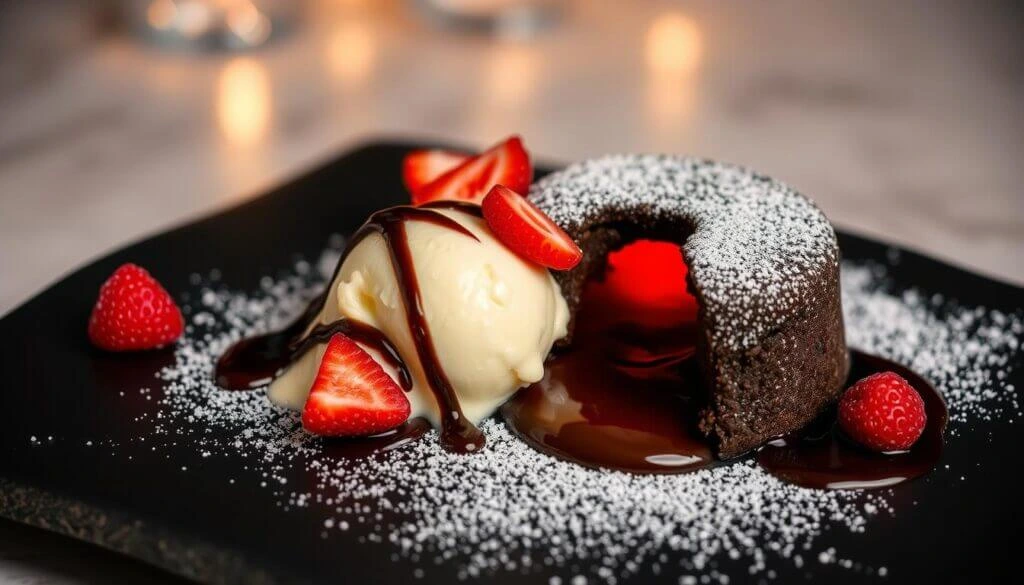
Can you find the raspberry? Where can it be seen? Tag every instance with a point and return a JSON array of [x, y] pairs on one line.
[[883, 412]]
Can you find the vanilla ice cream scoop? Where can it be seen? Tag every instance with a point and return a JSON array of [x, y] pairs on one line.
[[492, 316]]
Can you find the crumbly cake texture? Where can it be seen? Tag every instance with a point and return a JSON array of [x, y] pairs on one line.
[[763, 263], [512, 509]]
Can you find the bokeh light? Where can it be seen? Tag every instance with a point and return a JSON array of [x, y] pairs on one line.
[[251, 26], [351, 51], [511, 75], [243, 102], [674, 45], [161, 14]]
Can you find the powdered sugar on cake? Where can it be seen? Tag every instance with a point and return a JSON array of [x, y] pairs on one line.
[[527, 512], [756, 248]]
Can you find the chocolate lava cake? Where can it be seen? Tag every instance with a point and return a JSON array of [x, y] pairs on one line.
[[763, 264]]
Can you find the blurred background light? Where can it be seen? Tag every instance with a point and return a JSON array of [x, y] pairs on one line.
[[511, 74], [193, 17], [251, 26], [673, 50], [351, 51], [510, 19], [673, 45], [243, 102], [208, 24], [161, 14]]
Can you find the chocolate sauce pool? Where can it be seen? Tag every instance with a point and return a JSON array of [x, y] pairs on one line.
[[359, 447], [624, 399], [624, 396], [604, 413], [819, 456]]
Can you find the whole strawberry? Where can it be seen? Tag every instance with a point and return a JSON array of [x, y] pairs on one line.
[[133, 312], [883, 412]]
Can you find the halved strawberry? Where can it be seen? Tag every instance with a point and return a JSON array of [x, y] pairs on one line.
[[525, 230], [352, 396], [423, 166], [506, 164]]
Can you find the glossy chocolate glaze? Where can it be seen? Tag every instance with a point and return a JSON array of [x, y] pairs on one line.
[[821, 457], [255, 361], [622, 398]]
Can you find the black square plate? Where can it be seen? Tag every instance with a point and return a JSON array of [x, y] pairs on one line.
[[57, 394]]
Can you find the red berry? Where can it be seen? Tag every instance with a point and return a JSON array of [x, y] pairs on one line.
[[525, 230], [133, 312], [352, 395], [423, 166], [507, 164], [883, 412]]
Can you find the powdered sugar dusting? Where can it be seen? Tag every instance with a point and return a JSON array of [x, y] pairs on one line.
[[758, 248], [965, 351], [510, 508]]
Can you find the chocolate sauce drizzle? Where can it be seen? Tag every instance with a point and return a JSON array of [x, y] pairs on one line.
[[255, 361]]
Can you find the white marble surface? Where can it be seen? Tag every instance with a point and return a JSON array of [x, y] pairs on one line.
[[904, 120]]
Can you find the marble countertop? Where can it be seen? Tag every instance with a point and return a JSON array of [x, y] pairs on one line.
[[905, 121]]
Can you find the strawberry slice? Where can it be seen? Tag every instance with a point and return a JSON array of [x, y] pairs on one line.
[[525, 230], [352, 396], [507, 164], [423, 166]]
